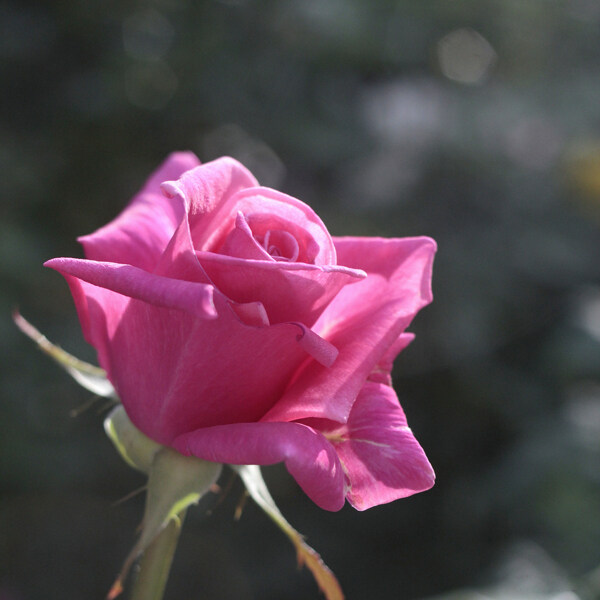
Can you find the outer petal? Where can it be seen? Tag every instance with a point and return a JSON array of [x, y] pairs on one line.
[[379, 453], [203, 372], [99, 312], [140, 233], [308, 456], [195, 298], [363, 321]]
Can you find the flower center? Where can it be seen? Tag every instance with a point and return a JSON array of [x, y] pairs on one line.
[[280, 244]]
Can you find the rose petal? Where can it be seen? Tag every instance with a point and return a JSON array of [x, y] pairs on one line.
[[251, 313], [308, 456], [140, 233], [203, 372], [195, 298], [281, 245], [179, 260], [289, 291], [363, 321], [205, 189], [321, 350], [267, 209], [241, 243], [263, 208], [381, 457]]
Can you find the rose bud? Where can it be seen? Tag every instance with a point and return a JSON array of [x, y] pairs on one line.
[[234, 328]]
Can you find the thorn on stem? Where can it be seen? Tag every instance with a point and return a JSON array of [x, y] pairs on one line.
[[237, 515]]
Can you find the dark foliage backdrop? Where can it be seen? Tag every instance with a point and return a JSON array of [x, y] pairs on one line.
[[474, 121]]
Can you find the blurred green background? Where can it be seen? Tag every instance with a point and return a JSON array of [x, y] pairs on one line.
[[475, 122]]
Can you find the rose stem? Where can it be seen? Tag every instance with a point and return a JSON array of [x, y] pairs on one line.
[[155, 563]]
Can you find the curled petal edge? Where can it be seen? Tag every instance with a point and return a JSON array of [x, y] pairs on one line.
[[321, 350], [308, 456], [195, 298]]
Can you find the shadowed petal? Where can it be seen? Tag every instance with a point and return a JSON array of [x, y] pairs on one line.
[[179, 260], [140, 233], [308, 456], [251, 313], [364, 321]]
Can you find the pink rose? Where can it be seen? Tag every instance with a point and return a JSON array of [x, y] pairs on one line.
[[236, 329]]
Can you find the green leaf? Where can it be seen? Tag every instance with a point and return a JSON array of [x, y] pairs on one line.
[[92, 378], [255, 484]]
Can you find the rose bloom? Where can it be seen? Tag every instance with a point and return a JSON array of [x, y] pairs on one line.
[[234, 328]]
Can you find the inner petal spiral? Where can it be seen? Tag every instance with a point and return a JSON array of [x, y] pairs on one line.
[[281, 245], [281, 239]]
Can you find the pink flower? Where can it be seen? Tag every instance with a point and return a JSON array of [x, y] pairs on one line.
[[236, 329]]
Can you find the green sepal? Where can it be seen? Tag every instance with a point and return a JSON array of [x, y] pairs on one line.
[[136, 449], [89, 376], [175, 481], [257, 488]]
